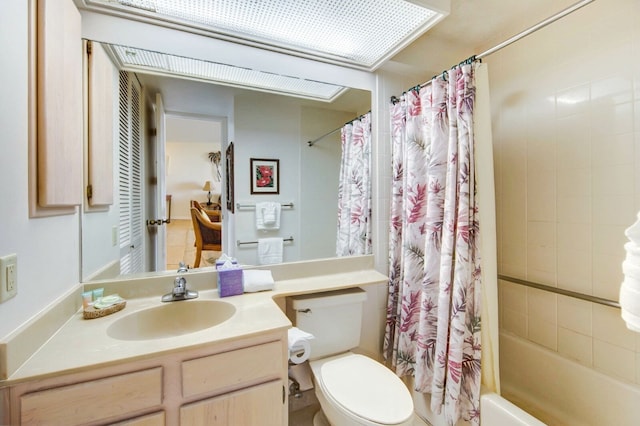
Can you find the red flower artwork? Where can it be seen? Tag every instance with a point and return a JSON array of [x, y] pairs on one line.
[[264, 176]]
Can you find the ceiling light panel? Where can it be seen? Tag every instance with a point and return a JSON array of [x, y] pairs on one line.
[[134, 59], [361, 32]]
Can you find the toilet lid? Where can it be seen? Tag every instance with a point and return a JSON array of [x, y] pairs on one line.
[[367, 389]]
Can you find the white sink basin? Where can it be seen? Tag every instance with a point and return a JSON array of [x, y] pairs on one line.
[[171, 319]]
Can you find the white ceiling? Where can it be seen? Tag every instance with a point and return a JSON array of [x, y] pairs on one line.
[[472, 27]]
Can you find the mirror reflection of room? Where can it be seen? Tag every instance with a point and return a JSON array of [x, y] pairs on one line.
[[201, 122]]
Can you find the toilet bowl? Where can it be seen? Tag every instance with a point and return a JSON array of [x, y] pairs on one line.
[[352, 389], [356, 390]]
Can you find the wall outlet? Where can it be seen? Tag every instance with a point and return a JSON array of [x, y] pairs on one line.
[[114, 235], [8, 277]]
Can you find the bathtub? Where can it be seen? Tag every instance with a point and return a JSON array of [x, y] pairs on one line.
[[559, 391], [494, 411], [497, 411]]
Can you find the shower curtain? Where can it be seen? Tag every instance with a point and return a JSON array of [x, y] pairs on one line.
[[433, 328], [354, 189]]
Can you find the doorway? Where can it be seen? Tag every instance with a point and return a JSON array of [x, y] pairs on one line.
[[190, 142]]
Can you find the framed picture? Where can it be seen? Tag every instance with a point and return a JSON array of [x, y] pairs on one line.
[[265, 176], [229, 177]]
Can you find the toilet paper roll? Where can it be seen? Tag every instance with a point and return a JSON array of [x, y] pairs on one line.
[[299, 351]]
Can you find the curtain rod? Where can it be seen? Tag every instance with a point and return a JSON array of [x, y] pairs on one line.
[[311, 143], [515, 38], [536, 27]]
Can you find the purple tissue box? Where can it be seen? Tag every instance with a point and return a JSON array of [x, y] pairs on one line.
[[230, 282]]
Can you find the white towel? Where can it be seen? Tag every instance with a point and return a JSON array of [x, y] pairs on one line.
[[633, 321], [267, 215], [630, 287], [630, 307], [270, 250], [631, 270], [630, 299], [633, 232], [257, 280]]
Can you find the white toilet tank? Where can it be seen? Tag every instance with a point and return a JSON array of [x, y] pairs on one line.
[[334, 318]]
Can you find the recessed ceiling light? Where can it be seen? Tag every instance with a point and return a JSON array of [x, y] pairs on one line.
[[132, 59], [360, 33]]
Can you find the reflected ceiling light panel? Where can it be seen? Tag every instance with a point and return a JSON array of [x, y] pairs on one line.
[[361, 33], [133, 59]]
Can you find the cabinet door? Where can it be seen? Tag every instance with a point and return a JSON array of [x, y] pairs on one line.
[[101, 112], [261, 405], [59, 92]]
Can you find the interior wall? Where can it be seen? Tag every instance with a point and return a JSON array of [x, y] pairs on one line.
[[47, 248], [319, 176], [566, 127], [267, 128]]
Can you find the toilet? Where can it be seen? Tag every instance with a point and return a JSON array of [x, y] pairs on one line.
[[352, 389]]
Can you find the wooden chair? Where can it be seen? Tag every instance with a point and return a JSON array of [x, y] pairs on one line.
[[208, 234], [215, 214]]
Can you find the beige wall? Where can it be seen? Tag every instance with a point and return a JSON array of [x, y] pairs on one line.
[[566, 128]]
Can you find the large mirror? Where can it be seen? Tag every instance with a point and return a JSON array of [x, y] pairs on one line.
[[202, 119]]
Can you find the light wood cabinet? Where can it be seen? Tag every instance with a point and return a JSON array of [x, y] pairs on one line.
[[55, 107], [233, 383], [100, 102], [256, 405], [97, 399]]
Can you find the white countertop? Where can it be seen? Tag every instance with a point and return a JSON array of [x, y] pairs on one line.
[[82, 344]]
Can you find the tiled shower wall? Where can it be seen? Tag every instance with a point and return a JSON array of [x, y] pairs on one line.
[[566, 129]]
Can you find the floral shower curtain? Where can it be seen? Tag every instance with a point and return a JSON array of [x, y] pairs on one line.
[[433, 312], [354, 189]]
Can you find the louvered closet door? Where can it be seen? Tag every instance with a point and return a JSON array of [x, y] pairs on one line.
[[130, 176]]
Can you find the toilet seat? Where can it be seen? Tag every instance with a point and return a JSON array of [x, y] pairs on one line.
[[363, 389]]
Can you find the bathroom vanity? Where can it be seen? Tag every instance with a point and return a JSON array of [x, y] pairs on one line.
[[234, 372], [241, 382]]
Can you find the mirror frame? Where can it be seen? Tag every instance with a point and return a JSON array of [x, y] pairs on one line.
[[229, 175]]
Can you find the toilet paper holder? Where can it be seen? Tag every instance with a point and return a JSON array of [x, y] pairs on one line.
[[294, 388]]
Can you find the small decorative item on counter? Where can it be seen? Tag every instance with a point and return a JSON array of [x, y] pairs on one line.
[[97, 293], [229, 276], [87, 299], [104, 306]]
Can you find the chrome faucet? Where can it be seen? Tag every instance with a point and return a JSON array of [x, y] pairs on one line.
[[180, 291]]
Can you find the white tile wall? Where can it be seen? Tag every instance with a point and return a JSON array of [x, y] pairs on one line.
[[566, 127]]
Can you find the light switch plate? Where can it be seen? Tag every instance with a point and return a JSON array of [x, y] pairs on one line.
[[8, 277]]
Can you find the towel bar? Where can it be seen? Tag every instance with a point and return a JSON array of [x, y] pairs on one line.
[[253, 206], [241, 243], [563, 292]]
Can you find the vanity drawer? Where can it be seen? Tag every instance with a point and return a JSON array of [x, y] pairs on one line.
[[232, 370], [97, 399]]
